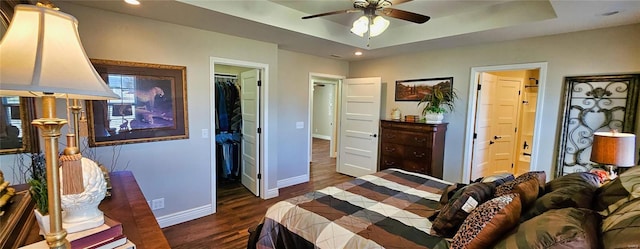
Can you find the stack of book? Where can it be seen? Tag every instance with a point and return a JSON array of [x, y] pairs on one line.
[[107, 236]]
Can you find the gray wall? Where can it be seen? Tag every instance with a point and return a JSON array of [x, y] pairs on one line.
[[293, 82], [604, 51]]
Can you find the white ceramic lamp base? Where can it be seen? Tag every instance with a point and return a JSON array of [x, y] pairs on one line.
[[81, 210]]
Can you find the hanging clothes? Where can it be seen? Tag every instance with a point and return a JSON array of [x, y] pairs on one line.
[[228, 127]]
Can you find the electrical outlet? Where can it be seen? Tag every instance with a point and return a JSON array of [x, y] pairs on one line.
[[157, 204]]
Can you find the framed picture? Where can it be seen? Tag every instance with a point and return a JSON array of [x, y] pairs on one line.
[[414, 90], [17, 134], [152, 104]]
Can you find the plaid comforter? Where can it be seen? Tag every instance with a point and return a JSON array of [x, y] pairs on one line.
[[387, 209]]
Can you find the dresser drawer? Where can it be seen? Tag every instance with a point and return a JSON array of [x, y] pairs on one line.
[[416, 166], [392, 149], [390, 162], [419, 154], [407, 138]]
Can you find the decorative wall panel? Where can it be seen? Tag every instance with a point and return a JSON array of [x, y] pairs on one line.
[[594, 103]]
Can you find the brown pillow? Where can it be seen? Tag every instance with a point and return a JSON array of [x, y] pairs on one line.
[[499, 179], [581, 179], [527, 185], [570, 196], [486, 224], [621, 228], [615, 193], [448, 192], [557, 229], [460, 205]]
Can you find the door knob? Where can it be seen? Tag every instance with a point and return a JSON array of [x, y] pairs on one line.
[[491, 142], [496, 137], [373, 135]]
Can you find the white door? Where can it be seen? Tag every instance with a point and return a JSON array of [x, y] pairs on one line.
[[360, 118], [250, 100], [507, 98], [483, 142]]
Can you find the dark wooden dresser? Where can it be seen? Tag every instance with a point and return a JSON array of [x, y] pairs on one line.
[[416, 147]]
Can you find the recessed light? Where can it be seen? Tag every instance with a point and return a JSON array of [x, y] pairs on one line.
[[132, 2], [610, 13], [358, 53]]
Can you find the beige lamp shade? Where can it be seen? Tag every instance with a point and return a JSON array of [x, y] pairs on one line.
[[41, 53], [613, 148]]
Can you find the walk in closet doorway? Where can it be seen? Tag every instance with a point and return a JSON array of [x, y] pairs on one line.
[[236, 122]]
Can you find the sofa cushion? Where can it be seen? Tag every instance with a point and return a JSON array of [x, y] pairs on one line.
[[579, 196], [617, 192], [620, 228], [526, 185], [582, 179], [486, 224], [460, 205], [559, 228]]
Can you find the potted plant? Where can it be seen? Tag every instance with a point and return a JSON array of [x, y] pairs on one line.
[[38, 191], [436, 103]]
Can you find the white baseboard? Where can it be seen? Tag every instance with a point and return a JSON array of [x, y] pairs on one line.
[[293, 181], [271, 193], [184, 216], [320, 136]]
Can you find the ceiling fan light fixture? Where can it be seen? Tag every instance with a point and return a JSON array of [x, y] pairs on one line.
[[132, 2], [378, 26], [360, 26]]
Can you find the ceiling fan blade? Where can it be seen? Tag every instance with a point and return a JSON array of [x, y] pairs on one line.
[[405, 15], [331, 13]]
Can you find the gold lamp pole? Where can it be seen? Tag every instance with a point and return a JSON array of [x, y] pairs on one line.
[[50, 127], [42, 56]]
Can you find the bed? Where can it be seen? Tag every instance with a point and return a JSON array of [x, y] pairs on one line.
[[387, 209]]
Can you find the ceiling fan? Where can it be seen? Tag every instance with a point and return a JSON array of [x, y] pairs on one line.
[[382, 7]]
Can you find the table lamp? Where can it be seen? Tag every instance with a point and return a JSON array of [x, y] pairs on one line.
[[41, 56], [613, 149]]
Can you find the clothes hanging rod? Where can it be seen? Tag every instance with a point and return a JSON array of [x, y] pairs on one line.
[[229, 76]]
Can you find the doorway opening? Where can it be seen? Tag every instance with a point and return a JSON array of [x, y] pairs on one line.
[[237, 121], [503, 129], [324, 112]]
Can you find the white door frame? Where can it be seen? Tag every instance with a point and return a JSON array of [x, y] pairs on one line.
[[264, 116], [338, 87], [471, 114]]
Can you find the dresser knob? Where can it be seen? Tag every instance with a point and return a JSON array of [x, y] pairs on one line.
[[389, 149], [419, 140], [418, 155], [389, 163]]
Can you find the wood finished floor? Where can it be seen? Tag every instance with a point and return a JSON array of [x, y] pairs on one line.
[[238, 209]]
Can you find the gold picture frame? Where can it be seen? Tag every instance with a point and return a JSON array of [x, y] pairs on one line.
[[152, 107]]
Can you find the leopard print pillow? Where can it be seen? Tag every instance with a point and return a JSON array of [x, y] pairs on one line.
[[527, 185], [488, 222]]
